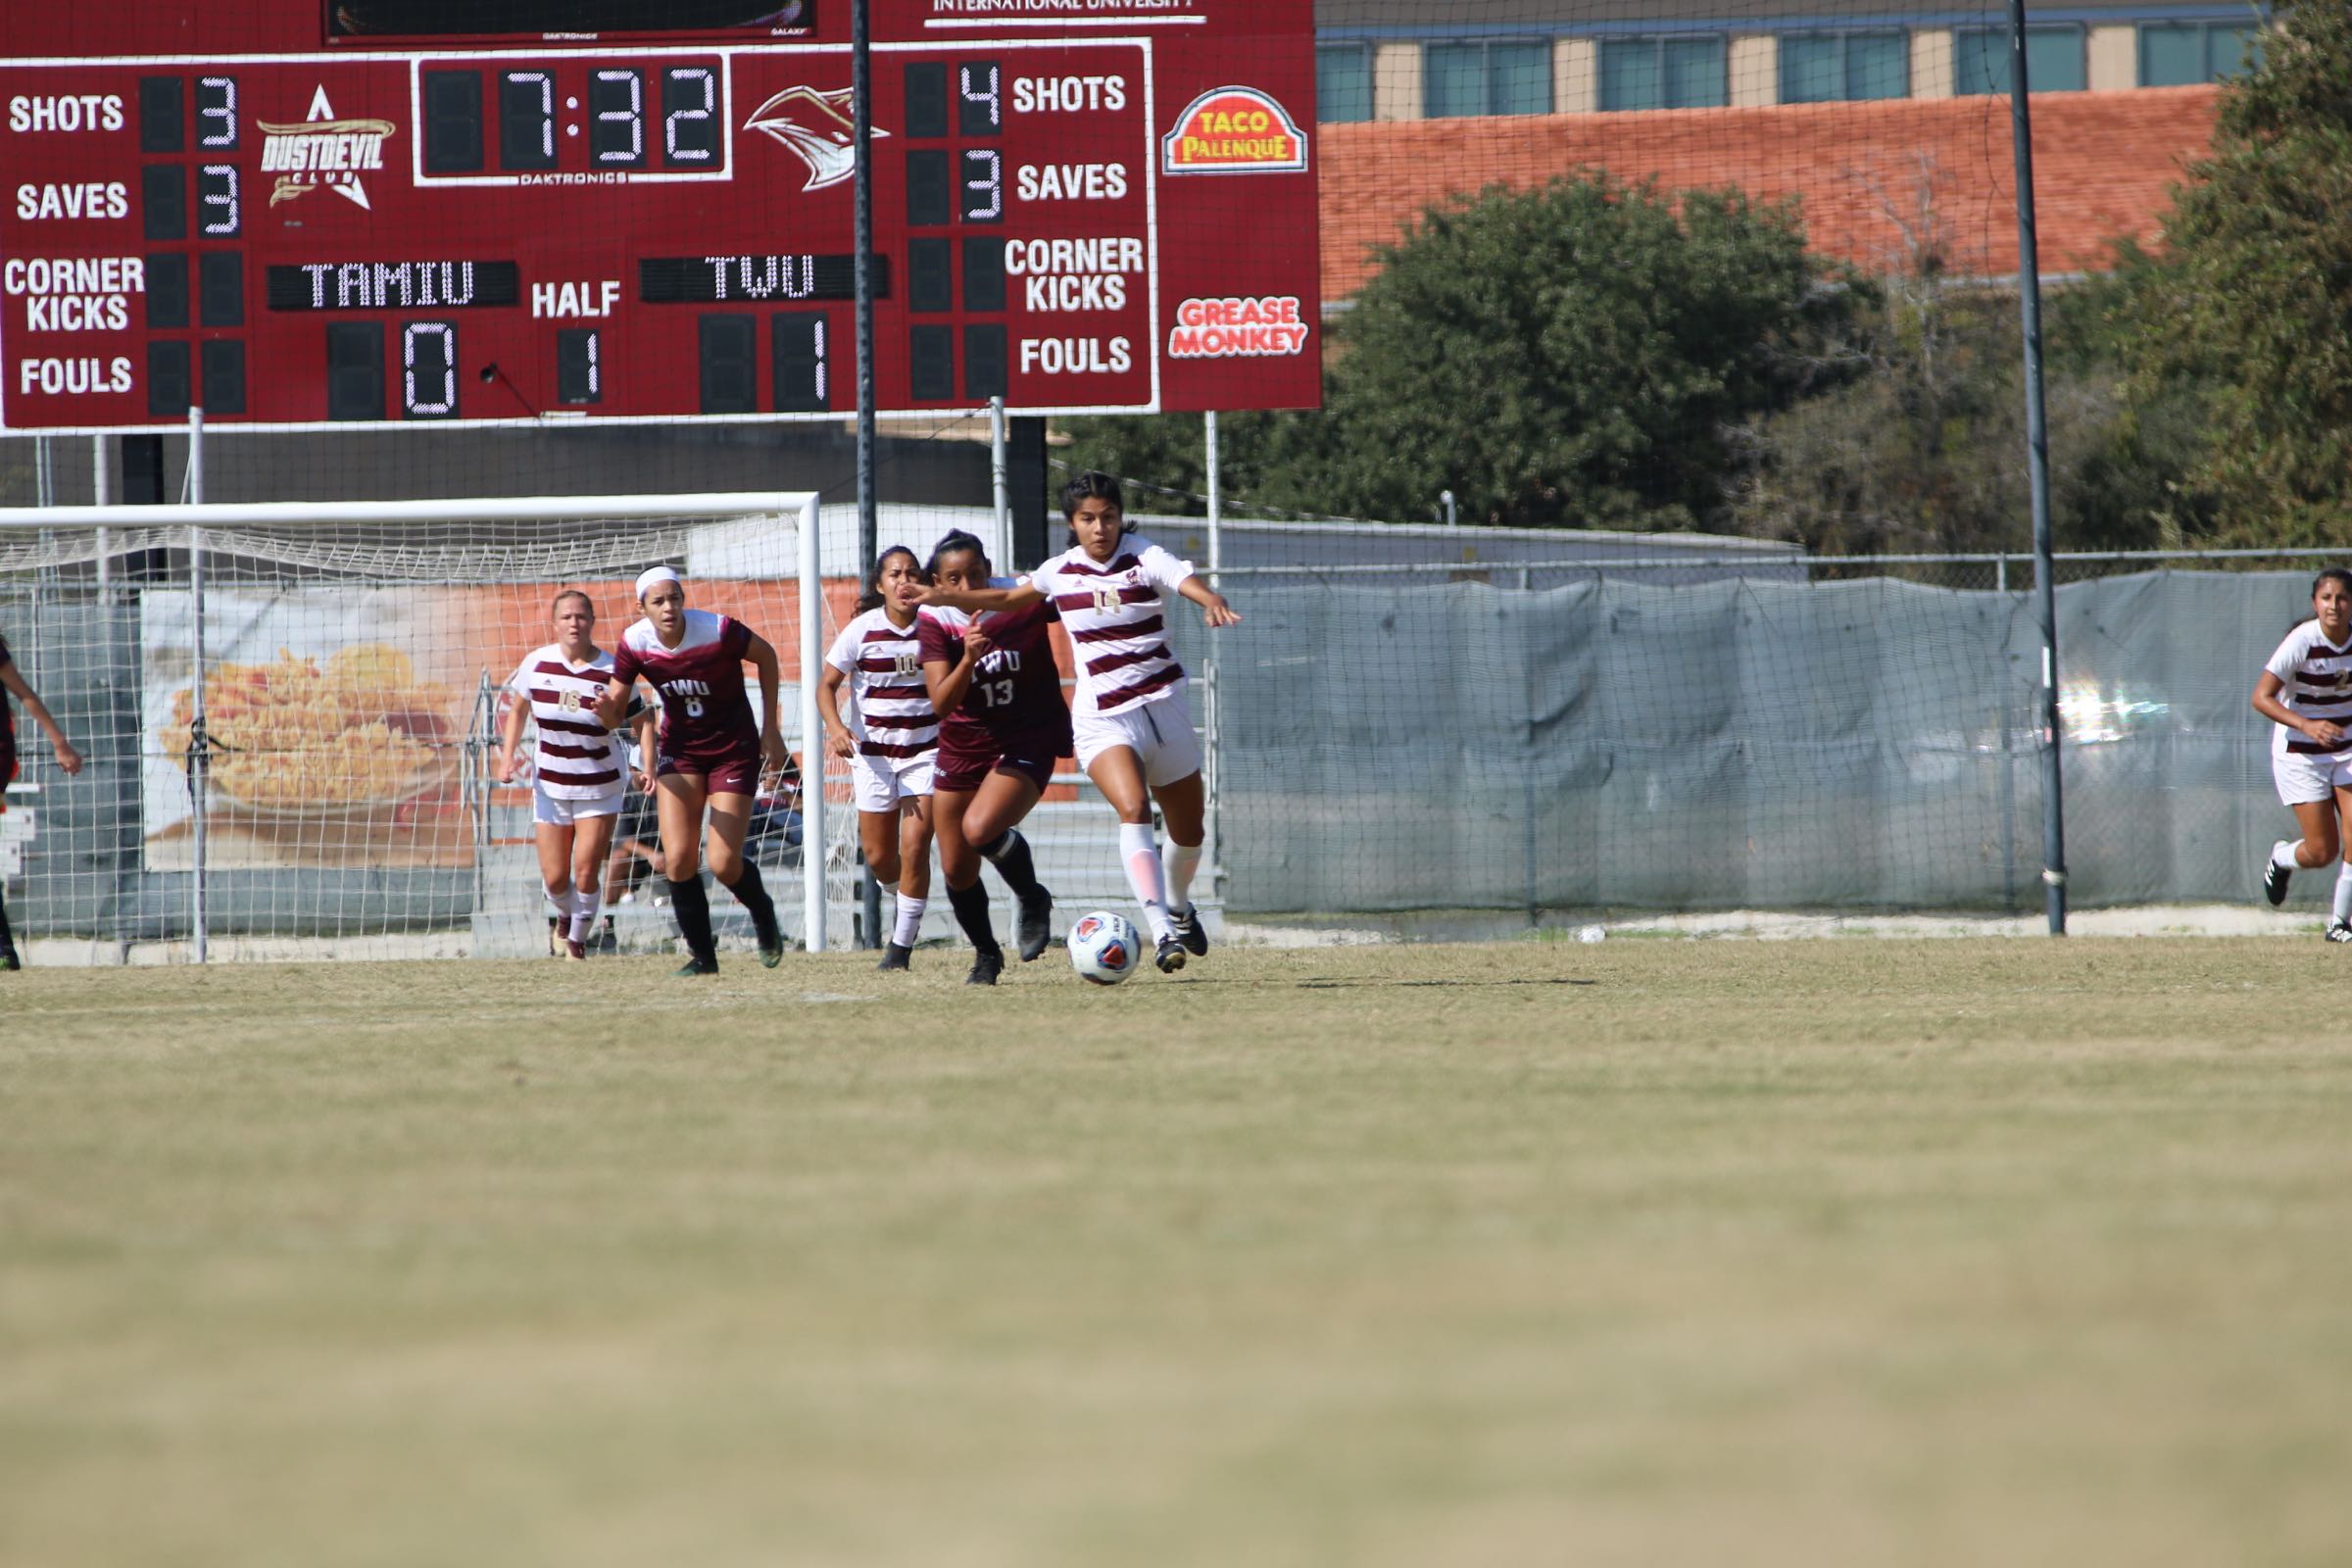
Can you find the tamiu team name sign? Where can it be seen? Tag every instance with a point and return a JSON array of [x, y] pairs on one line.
[[390, 211]]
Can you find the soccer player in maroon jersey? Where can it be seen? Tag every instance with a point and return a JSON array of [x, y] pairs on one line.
[[998, 693], [710, 754], [14, 685]]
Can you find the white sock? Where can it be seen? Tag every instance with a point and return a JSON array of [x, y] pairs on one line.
[[559, 905], [2343, 892], [1141, 859], [585, 902], [1177, 862], [910, 920], [2282, 855]]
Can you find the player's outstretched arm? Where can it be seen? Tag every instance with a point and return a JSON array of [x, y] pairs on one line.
[[1214, 610], [980, 601], [12, 678]]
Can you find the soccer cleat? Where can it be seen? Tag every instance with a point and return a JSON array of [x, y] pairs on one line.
[[575, 951], [694, 967], [1169, 955], [771, 948], [1037, 922], [894, 957], [555, 936], [2339, 931], [9, 962], [986, 966], [2274, 880], [1191, 932]]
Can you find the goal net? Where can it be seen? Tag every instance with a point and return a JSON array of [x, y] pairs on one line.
[[289, 712]]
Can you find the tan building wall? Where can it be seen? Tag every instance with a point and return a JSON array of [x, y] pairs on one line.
[[1755, 70], [2114, 63], [1575, 76], [1396, 82], [1935, 72]]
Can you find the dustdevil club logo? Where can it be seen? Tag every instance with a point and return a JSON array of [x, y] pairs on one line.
[[323, 152], [819, 128]]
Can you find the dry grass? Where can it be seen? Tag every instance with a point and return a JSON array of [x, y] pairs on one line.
[[1866, 1253]]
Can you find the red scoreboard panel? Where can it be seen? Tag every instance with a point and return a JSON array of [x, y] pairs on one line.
[[302, 213]]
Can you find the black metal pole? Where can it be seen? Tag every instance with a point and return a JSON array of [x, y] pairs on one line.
[[2038, 474], [861, 113]]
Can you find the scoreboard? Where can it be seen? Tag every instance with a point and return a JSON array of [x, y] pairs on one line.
[[315, 213]]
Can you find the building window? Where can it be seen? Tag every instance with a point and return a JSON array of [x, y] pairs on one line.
[[1506, 77], [2177, 54], [1679, 72], [2054, 59], [1819, 68], [1343, 82]]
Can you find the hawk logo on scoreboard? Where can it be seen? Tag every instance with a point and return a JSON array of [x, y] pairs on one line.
[[817, 126], [322, 151], [1234, 130]]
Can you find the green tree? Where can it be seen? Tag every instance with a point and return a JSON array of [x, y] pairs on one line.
[[1571, 355], [2251, 311], [1579, 355], [1924, 449]]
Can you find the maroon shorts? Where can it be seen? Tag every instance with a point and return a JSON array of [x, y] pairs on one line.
[[1031, 756], [734, 776]]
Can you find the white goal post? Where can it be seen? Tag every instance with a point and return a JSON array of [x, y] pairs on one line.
[[332, 670]]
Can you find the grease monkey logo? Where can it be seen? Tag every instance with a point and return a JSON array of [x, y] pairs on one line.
[[322, 151], [819, 129]]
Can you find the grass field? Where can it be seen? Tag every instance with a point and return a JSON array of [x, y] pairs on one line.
[[1873, 1253]]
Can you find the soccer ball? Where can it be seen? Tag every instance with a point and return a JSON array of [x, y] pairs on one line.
[[1104, 947]]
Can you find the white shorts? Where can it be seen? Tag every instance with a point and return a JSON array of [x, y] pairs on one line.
[[1159, 732], [880, 783], [546, 807], [2303, 777]]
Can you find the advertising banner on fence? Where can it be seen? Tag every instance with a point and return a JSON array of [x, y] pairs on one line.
[[340, 718], [337, 718]]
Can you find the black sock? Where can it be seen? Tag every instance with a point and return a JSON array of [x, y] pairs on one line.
[[971, 912], [691, 904], [752, 894], [8, 939], [1008, 852]]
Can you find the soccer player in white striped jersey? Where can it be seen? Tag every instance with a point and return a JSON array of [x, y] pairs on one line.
[[2306, 691], [579, 767], [1132, 721], [889, 738]]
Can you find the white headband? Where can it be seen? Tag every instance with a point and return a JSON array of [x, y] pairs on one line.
[[653, 574]]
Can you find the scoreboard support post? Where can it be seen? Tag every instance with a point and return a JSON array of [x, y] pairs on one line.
[[1030, 487], [143, 471]]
